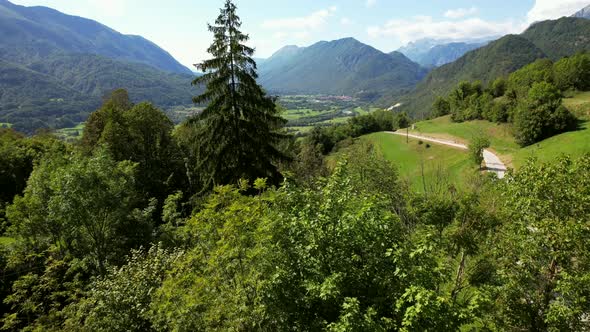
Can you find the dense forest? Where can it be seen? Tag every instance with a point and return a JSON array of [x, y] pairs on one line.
[[227, 223]]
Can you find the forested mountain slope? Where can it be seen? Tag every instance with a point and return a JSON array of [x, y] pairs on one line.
[[344, 66], [552, 39], [55, 68], [31, 33]]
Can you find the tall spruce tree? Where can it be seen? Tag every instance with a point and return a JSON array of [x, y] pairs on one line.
[[239, 131]]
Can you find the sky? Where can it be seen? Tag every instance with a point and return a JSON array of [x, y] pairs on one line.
[[180, 26]]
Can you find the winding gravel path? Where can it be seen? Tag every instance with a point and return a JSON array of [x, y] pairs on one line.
[[493, 163]]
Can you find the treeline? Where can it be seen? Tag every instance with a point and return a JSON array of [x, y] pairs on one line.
[[530, 98], [327, 138]]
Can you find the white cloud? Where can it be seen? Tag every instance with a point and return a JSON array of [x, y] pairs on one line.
[[425, 27], [553, 9], [311, 22], [345, 21], [461, 12], [371, 3], [297, 28]]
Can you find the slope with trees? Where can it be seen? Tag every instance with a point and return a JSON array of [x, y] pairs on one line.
[[552, 39], [340, 67], [60, 91], [29, 34], [55, 68]]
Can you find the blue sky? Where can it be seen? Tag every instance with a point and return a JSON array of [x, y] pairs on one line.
[[179, 26]]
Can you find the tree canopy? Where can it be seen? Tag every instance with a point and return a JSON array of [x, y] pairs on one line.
[[239, 131]]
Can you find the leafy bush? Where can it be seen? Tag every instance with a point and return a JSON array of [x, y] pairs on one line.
[[541, 115]]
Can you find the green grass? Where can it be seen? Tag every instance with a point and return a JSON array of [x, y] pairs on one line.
[[300, 113], [71, 133], [440, 162], [5, 125], [579, 105], [500, 134], [362, 111], [574, 144]]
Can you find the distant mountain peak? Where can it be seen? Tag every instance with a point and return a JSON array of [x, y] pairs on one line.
[[583, 13], [39, 31], [285, 50], [435, 53], [339, 67], [347, 40]]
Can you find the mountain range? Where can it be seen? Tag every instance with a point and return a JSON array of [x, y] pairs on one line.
[[56, 68], [29, 34], [340, 67], [584, 13], [548, 39], [431, 53]]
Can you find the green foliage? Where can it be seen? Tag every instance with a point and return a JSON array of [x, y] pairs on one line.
[[401, 120], [441, 107], [120, 300], [18, 156], [476, 147], [522, 80], [140, 133], [543, 257], [541, 115], [239, 131], [309, 163], [573, 73], [530, 100], [498, 87], [468, 102], [83, 206], [221, 283], [41, 292]]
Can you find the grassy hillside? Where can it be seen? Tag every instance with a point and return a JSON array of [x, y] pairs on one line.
[[500, 134], [575, 143], [442, 165]]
